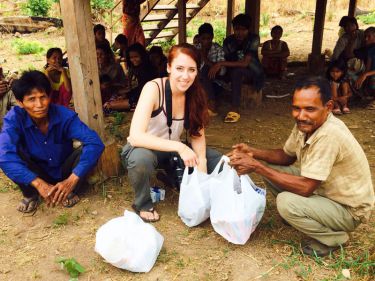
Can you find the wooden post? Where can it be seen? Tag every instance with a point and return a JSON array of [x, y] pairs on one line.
[[230, 11], [80, 45], [181, 21], [79, 36], [252, 8], [316, 59], [352, 6]]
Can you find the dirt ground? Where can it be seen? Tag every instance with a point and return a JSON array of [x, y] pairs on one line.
[[30, 245]]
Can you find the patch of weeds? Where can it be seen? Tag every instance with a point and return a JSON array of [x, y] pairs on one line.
[[368, 18], [8, 186], [164, 256], [36, 275], [203, 234], [270, 224], [226, 251], [24, 47], [61, 220], [180, 263], [71, 266], [303, 271], [264, 19], [362, 265]]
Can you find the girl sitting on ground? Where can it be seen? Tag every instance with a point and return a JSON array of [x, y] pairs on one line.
[[158, 61], [139, 72], [59, 77], [340, 88], [152, 141], [275, 53], [112, 77]]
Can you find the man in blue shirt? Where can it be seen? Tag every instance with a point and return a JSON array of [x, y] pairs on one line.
[[36, 146]]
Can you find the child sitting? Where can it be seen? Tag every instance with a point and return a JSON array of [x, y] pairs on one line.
[[59, 77], [340, 89], [369, 74], [99, 33], [120, 45], [275, 53], [158, 61]]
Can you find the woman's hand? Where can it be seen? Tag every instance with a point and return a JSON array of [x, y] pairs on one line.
[[188, 156]]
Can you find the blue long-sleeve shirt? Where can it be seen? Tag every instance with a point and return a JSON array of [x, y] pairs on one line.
[[50, 150]]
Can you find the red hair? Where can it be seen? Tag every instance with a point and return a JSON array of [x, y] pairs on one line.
[[195, 95]]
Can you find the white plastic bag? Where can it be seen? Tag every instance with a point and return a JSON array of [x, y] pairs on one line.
[[129, 243], [236, 206], [194, 201]]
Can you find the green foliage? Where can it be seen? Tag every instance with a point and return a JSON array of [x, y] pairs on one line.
[[61, 220], [368, 18], [102, 4], [24, 47], [264, 19], [72, 266], [38, 7]]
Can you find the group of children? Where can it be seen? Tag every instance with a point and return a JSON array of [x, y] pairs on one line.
[[124, 69], [352, 68]]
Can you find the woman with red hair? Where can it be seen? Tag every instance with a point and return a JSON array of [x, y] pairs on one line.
[[165, 108]]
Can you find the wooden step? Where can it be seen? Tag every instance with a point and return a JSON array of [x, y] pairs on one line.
[[155, 26], [164, 34], [162, 17], [173, 7]]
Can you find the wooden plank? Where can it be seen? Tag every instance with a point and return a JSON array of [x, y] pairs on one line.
[[83, 64], [147, 8], [230, 11], [163, 34], [352, 6], [252, 8], [181, 21], [155, 18], [150, 27], [174, 7]]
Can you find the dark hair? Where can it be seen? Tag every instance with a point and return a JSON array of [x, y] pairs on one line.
[[53, 50], [98, 27], [276, 27], [316, 81], [206, 28], [370, 29], [343, 20], [107, 51], [195, 95], [140, 49], [29, 81], [122, 39], [347, 20], [243, 20], [339, 64]]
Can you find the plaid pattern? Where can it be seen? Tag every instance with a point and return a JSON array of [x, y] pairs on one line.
[[333, 156]]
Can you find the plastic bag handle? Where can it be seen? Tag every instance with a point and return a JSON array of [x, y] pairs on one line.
[[223, 159]]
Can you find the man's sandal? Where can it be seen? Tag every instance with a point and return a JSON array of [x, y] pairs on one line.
[[145, 219], [71, 200], [232, 117], [371, 106], [314, 248], [28, 204]]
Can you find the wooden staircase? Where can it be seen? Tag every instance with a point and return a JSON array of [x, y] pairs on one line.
[[160, 20]]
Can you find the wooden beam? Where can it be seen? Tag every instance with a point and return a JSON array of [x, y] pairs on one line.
[[316, 59], [181, 5], [79, 36], [230, 11], [252, 8], [352, 6], [320, 14]]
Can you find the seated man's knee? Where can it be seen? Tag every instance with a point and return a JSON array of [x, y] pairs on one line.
[[285, 203]]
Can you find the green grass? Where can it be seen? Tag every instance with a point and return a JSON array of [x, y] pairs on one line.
[[367, 19], [24, 47], [61, 220]]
